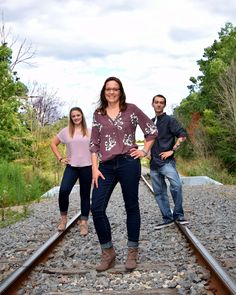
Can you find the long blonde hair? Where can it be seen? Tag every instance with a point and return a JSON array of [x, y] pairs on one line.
[[72, 125]]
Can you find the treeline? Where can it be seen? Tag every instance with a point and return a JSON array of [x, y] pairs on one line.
[[209, 111], [29, 117]]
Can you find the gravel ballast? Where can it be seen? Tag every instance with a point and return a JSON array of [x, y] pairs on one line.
[[165, 260]]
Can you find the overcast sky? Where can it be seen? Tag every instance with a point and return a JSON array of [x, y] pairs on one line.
[[152, 46]]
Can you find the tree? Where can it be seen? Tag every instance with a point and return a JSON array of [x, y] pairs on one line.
[[216, 59], [11, 127], [225, 91], [25, 51], [212, 97], [226, 94], [14, 138], [46, 104], [41, 109]]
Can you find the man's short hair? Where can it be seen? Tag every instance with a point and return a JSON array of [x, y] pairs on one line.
[[159, 95]]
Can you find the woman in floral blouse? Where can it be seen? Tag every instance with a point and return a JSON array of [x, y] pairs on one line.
[[115, 158]]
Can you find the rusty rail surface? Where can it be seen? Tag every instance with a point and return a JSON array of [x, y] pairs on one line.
[[220, 279], [14, 280]]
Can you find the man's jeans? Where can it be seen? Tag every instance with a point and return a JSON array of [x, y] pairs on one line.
[[125, 170], [160, 189], [70, 176]]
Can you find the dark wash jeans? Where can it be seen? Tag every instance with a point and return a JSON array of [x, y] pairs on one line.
[[127, 171], [70, 176]]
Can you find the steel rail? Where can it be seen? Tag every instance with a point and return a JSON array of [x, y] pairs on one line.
[[225, 281], [8, 286], [14, 280]]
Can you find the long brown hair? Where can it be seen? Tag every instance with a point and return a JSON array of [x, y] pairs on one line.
[[103, 102], [72, 125]]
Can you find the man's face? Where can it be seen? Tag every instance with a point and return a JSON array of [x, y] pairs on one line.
[[158, 104]]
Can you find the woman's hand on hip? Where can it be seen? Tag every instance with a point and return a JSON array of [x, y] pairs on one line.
[[64, 161], [135, 153]]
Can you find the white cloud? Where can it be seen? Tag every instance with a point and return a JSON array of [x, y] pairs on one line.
[[152, 46]]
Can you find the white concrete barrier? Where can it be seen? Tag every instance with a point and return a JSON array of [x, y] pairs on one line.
[[55, 191], [190, 180], [198, 180]]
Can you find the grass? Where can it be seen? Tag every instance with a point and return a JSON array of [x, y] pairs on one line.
[[210, 167], [145, 162], [12, 216], [19, 186]]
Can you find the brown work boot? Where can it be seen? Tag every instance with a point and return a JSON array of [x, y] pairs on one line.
[[108, 258], [62, 223], [83, 227], [131, 261]]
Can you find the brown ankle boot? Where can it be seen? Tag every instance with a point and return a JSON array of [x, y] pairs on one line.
[[131, 261], [62, 223], [107, 259], [83, 227]]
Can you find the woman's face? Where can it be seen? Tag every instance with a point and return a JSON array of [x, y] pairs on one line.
[[76, 117], [112, 92]]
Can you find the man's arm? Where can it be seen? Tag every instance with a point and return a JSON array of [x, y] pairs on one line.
[[178, 143], [167, 154]]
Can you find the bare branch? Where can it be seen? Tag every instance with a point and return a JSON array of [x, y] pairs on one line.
[[24, 53], [3, 33], [45, 103], [226, 94]]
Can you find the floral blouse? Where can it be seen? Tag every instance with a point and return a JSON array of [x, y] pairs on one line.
[[110, 138]]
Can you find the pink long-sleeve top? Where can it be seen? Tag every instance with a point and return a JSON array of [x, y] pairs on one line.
[[110, 138]]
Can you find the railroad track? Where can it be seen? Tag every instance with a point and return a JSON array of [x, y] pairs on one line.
[[219, 282]]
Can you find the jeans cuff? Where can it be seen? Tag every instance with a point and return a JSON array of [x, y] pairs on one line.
[[132, 244], [106, 245], [83, 217]]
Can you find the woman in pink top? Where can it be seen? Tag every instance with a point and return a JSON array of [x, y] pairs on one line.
[[76, 137], [115, 158]]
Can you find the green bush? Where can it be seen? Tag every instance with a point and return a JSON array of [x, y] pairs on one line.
[[12, 185], [19, 186]]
